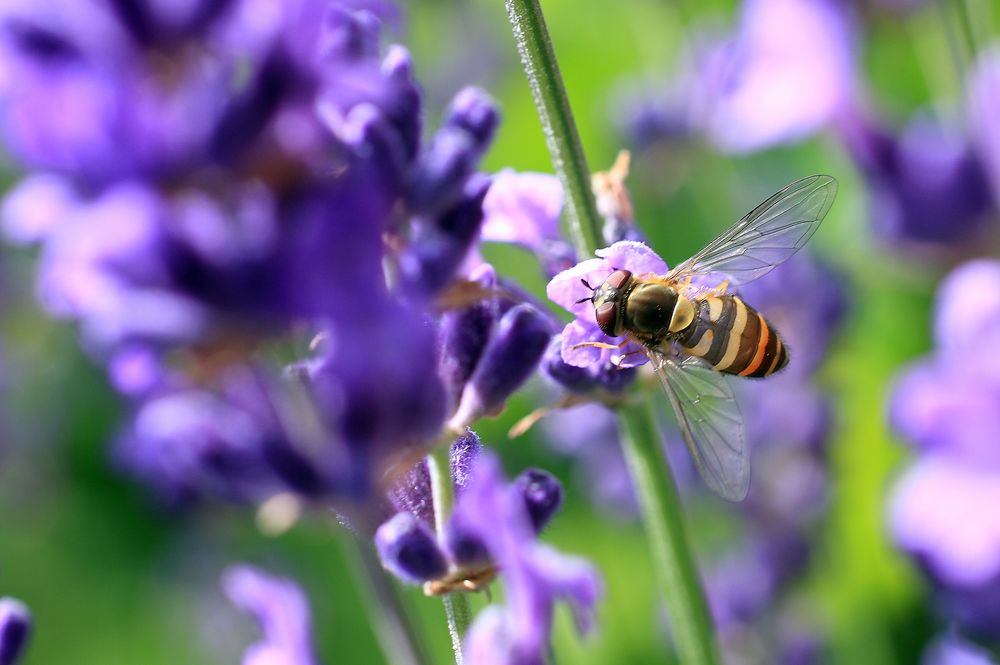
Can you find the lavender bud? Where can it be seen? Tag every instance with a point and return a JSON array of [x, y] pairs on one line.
[[462, 337], [409, 550], [464, 546], [542, 496], [430, 261], [457, 147], [464, 452], [438, 178], [572, 378], [614, 379], [474, 111], [15, 628], [508, 360], [351, 34]]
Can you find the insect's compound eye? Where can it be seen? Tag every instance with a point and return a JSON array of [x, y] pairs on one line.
[[618, 279], [606, 318]]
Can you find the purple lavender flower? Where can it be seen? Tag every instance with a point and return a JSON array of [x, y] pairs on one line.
[[189, 442], [948, 409], [179, 242], [282, 611], [535, 576], [411, 549], [524, 209], [934, 517], [926, 183], [15, 629], [566, 289], [784, 73]]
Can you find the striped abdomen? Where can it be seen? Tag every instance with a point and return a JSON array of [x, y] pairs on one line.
[[734, 338]]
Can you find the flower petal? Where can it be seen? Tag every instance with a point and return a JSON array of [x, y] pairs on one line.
[[577, 332], [523, 208], [634, 256], [566, 288]]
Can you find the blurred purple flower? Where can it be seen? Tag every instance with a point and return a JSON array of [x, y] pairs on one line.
[[936, 516], [782, 75], [745, 583], [524, 209], [808, 316], [983, 98], [281, 610], [15, 629], [186, 443], [185, 220], [535, 576], [566, 288], [953, 650], [948, 408], [944, 403], [926, 183], [128, 119], [589, 434]]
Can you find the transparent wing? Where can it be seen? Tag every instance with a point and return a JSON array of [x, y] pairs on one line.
[[767, 235], [710, 421]]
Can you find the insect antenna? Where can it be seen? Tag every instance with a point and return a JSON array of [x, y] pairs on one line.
[[587, 284]]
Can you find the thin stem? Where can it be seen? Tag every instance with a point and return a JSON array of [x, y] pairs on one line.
[[456, 605], [663, 516], [965, 24], [561, 136], [651, 476], [396, 635]]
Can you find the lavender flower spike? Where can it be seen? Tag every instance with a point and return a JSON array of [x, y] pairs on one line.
[[535, 576], [282, 611], [15, 628]]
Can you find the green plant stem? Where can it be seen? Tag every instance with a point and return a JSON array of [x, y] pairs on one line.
[[396, 635], [662, 512], [456, 605], [561, 136], [965, 26], [676, 570]]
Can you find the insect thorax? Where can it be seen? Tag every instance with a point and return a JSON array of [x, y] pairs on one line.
[[650, 310]]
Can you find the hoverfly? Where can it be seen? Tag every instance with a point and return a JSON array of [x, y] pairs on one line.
[[694, 334]]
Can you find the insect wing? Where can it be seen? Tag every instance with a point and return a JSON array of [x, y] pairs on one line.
[[710, 421], [766, 236]]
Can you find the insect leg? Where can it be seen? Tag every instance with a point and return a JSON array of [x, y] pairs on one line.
[[599, 345]]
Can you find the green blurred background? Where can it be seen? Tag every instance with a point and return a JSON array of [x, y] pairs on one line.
[[112, 579]]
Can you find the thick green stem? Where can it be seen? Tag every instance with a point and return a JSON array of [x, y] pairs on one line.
[[676, 569], [662, 513], [557, 122], [456, 605]]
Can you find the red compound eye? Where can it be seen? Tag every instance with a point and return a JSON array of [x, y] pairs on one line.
[[605, 315], [618, 279]]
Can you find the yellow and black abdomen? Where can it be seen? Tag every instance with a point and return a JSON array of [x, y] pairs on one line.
[[734, 338]]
